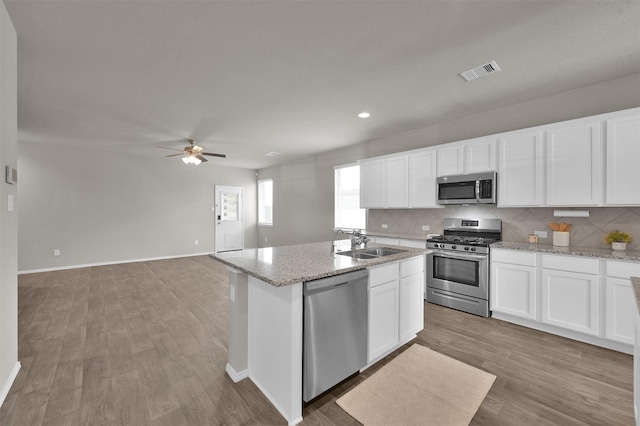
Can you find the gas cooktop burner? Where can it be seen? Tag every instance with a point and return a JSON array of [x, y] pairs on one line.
[[473, 241]]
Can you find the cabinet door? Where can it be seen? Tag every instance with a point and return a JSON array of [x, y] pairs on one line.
[[383, 319], [520, 169], [411, 306], [623, 160], [636, 369], [570, 300], [397, 182], [422, 179], [574, 165], [450, 160], [480, 155], [514, 290], [372, 184], [621, 310]]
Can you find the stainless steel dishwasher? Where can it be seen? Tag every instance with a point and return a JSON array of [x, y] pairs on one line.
[[335, 330]]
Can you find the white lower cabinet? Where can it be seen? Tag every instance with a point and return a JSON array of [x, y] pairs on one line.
[[621, 307], [513, 289], [582, 298], [383, 318], [411, 290], [396, 305], [571, 293], [570, 300], [636, 370]]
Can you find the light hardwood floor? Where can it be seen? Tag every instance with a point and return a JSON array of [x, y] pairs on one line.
[[145, 344]]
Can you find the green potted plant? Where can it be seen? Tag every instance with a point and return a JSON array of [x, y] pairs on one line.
[[618, 239]]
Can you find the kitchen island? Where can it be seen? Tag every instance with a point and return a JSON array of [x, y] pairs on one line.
[[266, 310]]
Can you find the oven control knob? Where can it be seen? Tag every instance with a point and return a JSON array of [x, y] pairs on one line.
[[453, 247], [466, 248], [473, 249]]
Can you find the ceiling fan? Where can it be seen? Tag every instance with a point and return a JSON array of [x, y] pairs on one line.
[[193, 153]]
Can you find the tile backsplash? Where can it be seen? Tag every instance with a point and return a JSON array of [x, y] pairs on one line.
[[517, 223]]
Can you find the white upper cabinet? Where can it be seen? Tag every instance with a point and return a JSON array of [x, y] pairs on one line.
[[520, 169], [372, 182], [555, 165], [422, 179], [480, 155], [397, 181], [384, 182], [471, 156], [574, 164], [450, 159], [623, 160]]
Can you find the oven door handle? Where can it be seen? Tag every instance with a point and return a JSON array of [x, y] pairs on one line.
[[478, 191], [461, 256]]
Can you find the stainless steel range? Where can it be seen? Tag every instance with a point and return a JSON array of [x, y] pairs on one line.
[[458, 265]]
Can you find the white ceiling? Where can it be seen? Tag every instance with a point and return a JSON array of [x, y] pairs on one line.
[[248, 77]]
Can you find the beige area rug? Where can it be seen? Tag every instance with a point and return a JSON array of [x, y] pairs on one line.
[[419, 387]]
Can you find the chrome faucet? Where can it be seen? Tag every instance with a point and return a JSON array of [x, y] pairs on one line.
[[358, 239]]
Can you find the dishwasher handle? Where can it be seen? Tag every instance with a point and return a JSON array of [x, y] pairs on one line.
[[334, 281]]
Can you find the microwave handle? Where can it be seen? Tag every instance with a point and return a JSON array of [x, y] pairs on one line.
[[478, 191]]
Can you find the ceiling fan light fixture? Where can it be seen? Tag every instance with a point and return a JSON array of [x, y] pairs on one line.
[[190, 159]]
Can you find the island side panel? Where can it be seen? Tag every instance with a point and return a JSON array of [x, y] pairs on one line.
[[275, 345], [237, 365]]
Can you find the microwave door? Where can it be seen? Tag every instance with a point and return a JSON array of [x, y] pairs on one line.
[[457, 191]]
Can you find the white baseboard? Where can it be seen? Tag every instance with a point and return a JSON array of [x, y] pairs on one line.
[[115, 262], [7, 385], [236, 376]]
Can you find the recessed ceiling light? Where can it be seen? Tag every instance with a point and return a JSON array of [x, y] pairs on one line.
[[364, 114], [272, 154]]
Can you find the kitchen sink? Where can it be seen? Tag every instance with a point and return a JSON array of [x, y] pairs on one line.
[[371, 253]]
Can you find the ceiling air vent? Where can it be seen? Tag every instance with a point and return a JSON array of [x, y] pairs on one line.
[[480, 71]]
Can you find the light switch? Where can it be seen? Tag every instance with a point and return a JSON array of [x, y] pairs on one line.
[[10, 203]]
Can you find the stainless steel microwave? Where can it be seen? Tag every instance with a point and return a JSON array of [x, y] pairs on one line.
[[476, 188]]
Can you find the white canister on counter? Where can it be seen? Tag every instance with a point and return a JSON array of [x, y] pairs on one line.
[[560, 238]]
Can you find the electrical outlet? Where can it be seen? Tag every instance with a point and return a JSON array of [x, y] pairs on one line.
[[426, 227], [541, 234], [196, 242], [56, 252], [213, 209], [266, 240], [384, 226]]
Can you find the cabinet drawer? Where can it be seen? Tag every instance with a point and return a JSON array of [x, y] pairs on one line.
[[383, 274], [514, 257], [623, 269], [412, 266], [570, 263]]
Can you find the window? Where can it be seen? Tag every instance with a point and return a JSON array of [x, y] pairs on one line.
[[348, 213], [265, 202]]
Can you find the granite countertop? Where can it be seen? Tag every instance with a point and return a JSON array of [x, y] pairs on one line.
[[635, 284], [281, 266], [629, 255]]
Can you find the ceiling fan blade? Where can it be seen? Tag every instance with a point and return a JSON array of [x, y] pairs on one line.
[[172, 149], [213, 155], [173, 155], [201, 158]]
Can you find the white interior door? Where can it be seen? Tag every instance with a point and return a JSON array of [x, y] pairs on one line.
[[229, 218]]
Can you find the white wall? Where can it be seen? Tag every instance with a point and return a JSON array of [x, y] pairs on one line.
[[98, 206], [8, 220], [303, 192]]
